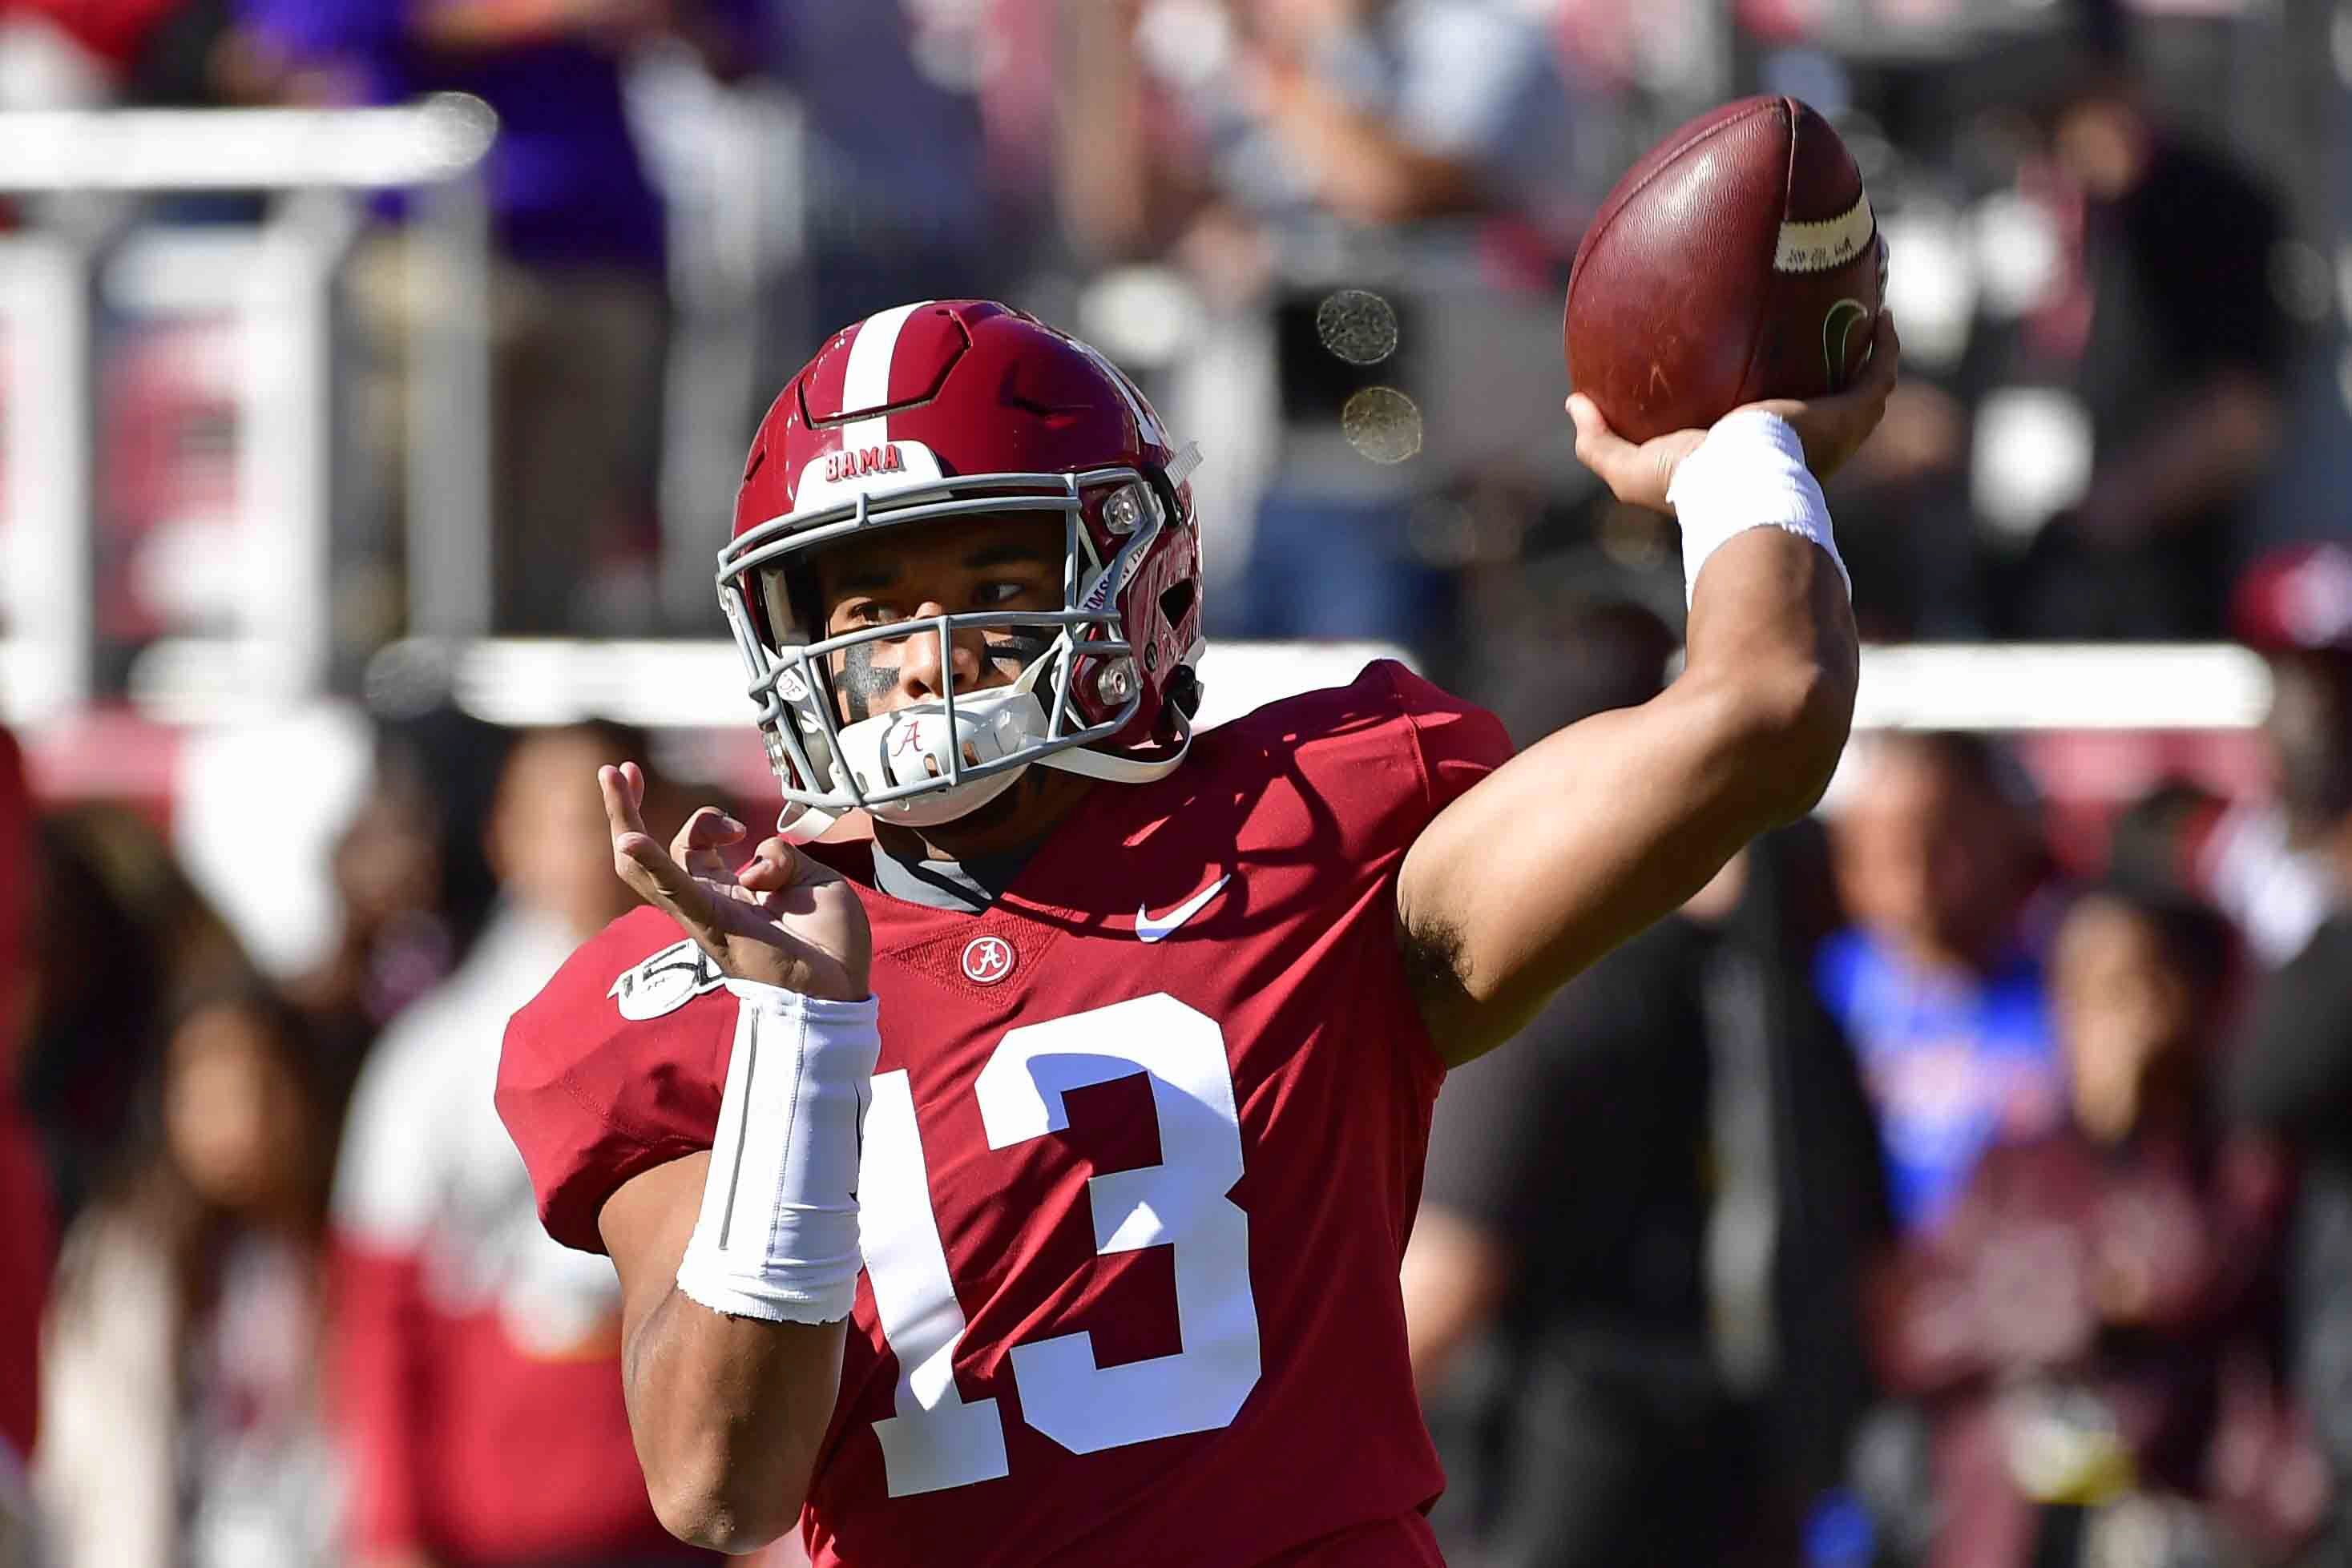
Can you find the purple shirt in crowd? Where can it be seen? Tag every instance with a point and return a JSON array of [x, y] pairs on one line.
[[565, 184]]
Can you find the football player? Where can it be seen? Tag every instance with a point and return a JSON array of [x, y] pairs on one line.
[[1088, 1252]]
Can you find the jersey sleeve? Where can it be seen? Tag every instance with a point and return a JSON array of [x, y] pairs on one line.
[[1454, 743], [615, 1066]]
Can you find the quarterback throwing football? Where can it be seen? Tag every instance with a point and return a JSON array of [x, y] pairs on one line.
[[1026, 1183]]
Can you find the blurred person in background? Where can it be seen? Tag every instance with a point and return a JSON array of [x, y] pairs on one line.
[[479, 1361], [1938, 981], [1279, 149], [411, 877], [2276, 864], [1590, 1406], [913, 203], [119, 933], [2292, 1077], [2164, 323], [2071, 1323], [181, 1365], [579, 307]]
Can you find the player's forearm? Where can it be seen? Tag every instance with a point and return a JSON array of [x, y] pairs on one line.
[[739, 1267], [727, 1413], [1771, 642]]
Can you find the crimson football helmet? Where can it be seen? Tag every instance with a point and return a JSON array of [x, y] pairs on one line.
[[934, 414]]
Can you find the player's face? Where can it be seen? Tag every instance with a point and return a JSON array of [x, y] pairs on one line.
[[993, 565]]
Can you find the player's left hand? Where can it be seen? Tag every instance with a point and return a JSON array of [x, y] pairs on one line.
[[1832, 428], [785, 919]]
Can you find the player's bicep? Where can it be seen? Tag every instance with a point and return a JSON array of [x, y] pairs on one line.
[[1571, 847]]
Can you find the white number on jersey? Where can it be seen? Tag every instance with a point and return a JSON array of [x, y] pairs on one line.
[[939, 1439]]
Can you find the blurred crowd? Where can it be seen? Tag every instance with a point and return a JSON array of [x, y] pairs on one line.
[[1328, 235], [1915, 1196]]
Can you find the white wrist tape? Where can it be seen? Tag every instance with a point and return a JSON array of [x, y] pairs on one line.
[[777, 1236], [1750, 473]]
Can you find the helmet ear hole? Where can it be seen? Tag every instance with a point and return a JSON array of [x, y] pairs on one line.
[[1177, 602]]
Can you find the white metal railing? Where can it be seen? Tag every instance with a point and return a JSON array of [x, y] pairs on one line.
[[275, 283], [698, 684], [424, 144]]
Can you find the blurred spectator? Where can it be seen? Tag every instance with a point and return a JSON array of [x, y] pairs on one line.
[[1939, 983], [479, 1360], [1312, 144], [411, 875], [181, 1362], [2165, 323], [1587, 1408], [2293, 1076], [908, 204], [2275, 864], [119, 935], [578, 307], [2070, 1321], [26, 1234]]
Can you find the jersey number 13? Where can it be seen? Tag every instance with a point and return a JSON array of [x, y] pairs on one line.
[[939, 1438]]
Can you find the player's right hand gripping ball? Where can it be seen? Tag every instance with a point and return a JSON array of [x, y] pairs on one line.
[[1738, 260]]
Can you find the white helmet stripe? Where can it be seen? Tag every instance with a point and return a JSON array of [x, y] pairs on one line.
[[867, 382]]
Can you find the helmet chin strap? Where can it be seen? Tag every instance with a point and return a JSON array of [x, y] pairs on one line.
[[1092, 763]]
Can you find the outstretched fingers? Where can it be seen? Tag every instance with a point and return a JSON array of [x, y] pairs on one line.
[[643, 864]]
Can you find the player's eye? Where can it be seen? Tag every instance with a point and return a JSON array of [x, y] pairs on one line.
[[991, 594], [876, 612]]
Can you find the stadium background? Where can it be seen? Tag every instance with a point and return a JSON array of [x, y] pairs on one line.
[[353, 416]]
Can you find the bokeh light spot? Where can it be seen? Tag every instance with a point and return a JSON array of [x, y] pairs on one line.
[[1357, 325], [1382, 424]]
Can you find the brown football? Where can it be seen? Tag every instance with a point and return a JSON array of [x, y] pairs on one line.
[[1738, 260]]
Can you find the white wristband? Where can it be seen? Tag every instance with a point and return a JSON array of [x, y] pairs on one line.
[[1750, 473], [777, 1236]]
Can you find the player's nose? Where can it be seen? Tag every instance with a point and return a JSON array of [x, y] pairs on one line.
[[922, 671]]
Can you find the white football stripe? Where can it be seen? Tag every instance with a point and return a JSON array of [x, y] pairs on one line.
[[867, 379], [1818, 246]]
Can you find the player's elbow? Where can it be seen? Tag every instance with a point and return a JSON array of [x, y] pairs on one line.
[[712, 1500], [1787, 729]]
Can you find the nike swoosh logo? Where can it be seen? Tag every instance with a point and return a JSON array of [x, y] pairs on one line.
[[1151, 930]]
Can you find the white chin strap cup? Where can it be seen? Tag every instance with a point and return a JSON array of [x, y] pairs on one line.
[[918, 745]]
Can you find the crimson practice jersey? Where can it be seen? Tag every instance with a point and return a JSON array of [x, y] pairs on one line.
[[1144, 1143]]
